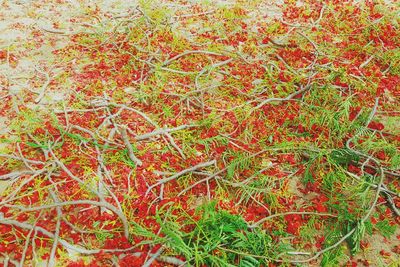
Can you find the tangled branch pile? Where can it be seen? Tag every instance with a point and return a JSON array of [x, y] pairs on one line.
[[208, 134]]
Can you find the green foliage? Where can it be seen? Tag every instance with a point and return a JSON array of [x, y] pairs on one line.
[[167, 111], [309, 231], [217, 239], [35, 145], [395, 162], [101, 235], [148, 235], [385, 228], [334, 180], [249, 261], [76, 137], [372, 143], [308, 174], [308, 177], [343, 156], [119, 156], [368, 227], [217, 140], [335, 231], [210, 120], [354, 240], [126, 159], [332, 257], [141, 95], [28, 121], [260, 185], [155, 13], [241, 161]]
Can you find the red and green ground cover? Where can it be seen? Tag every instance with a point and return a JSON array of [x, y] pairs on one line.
[[205, 134]]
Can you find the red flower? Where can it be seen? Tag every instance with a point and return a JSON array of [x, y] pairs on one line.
[[384, 253], [283, 77], [300, 128], [354, 112], [376, 126], [265, 40], [117, 242], [320, 207], [353, 168], [293, 227], [381, 155], [319, 242], [131, 261], [294, 222], [79, 263]]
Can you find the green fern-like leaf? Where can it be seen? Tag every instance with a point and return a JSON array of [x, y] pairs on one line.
[[395, 162], [240, 162], [343, 156], [249, 261], [385, 228], [354, 240]]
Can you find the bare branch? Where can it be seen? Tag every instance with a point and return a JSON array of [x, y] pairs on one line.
[[288, 98], [194, 168], [169, 61], [128, 145], [80, 202]]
